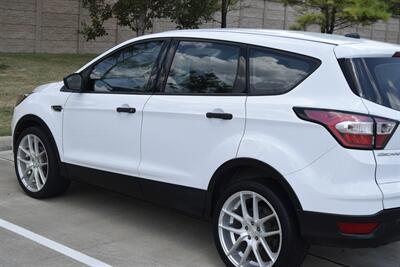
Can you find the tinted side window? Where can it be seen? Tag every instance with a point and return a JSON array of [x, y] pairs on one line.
[[203, 67], [126, 71], [379, 80], [273, 72]]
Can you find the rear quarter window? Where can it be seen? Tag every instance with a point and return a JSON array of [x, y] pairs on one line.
[[274, 72], [378, 80]]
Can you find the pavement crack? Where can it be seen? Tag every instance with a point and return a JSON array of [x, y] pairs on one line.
[[8, 160], [327, 259]]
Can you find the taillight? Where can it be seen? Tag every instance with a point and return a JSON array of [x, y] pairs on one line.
[[352, 130], [384, 130]]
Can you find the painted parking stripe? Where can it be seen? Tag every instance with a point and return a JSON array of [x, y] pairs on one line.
[[73, 254]]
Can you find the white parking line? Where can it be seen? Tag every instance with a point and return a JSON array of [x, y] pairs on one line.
[[73, 254]]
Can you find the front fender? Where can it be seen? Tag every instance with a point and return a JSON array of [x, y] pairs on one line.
[[39, 105]]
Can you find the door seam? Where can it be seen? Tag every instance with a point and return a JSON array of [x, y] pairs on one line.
[[244, 127], [141, 133]]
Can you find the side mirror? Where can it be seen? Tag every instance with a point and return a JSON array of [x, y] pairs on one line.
[[74, 82]]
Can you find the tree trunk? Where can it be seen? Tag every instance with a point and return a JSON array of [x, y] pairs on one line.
[[224, 12], [332, 21], [325, 26], [141, 25]]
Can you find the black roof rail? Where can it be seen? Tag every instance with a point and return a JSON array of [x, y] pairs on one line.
[[354, 35]]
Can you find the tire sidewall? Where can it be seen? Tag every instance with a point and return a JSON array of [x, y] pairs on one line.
[[289, 233]]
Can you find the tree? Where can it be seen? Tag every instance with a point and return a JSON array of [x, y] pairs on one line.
[[225, 7], [333, 15], [190, 14], [138, 15], [99, 12], [393, 6]]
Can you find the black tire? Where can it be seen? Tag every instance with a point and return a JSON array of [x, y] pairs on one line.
[[55, 184], [293, 250]]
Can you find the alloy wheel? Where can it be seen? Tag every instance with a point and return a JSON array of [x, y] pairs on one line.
[[249, 230], [32, 163]]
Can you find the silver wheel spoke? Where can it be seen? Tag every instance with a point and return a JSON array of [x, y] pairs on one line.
[[268, 234], [23, 160], [41, 175], [24, 150], [231, 229], [245, 255], [236, 245], [267, 249], [36, 146], [258, 256], [30, 144], [37, 180], [265, 219], [244, 206], [256, 214], [233, 215]]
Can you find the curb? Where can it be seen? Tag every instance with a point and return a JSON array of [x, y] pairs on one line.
[[5, 143]]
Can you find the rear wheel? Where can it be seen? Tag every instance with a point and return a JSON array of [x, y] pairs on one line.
[[253, 227], [37, 165]]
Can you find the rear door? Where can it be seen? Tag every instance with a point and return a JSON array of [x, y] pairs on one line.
[[197, 120]]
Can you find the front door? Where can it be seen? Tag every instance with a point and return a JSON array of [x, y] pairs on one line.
[[101, 126]]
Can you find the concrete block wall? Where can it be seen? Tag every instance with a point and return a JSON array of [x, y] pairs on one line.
[[52, 26]]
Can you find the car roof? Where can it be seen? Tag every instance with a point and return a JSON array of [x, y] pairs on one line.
[[344, 46], [299, 35]]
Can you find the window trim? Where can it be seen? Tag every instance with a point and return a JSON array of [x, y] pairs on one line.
[[154, 72], [283, 52], [167, 54], [347, 67], [171, 55]]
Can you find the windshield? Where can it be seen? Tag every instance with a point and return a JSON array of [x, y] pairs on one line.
[[378, 80]]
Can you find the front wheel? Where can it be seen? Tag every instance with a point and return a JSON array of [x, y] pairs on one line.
[[254, 227], [37, 165]]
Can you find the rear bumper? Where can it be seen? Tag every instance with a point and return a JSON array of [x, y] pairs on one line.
[[321, 229]]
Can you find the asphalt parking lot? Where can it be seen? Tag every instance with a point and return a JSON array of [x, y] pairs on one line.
[[91, 226]]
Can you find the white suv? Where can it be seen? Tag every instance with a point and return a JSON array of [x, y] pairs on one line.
[[282, 139]]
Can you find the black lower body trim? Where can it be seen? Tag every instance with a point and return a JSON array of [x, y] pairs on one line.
[[188, 200], [321, 229]]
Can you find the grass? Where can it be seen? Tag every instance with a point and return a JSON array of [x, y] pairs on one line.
[[22, 72], [5, 118]]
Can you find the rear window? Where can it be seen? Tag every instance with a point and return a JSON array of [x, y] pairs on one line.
[[275, 72], [378, 80]]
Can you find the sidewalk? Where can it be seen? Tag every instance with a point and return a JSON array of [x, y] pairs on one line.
[[5, 143]]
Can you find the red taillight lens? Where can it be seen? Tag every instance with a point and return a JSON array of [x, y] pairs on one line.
[[357, 228], [350, 129]]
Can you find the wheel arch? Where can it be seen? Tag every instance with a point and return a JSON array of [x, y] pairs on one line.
[[241, 169], [31, 120]]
